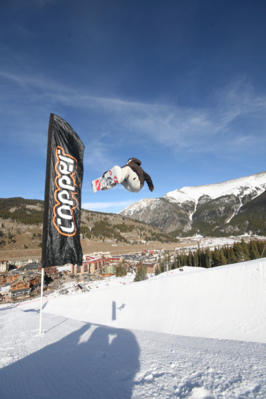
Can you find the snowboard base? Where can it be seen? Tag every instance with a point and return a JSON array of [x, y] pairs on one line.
[[107, 181]]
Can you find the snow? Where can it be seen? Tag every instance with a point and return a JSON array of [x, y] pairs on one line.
[[140, 205], [250, 184], [210, 310], [253, 185], [197, 241], [194, 334], [5, 289]]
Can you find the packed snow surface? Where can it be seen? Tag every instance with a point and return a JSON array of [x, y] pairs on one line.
[[195, 334]]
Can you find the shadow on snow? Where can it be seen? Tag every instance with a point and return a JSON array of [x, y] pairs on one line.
[[94, 362]]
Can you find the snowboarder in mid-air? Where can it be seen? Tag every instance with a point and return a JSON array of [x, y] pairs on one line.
[[131, 176]]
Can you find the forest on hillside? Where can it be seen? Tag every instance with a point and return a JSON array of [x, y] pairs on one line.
[[228, 254]]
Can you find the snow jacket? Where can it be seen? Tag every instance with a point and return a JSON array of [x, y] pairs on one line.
[[134, 164]]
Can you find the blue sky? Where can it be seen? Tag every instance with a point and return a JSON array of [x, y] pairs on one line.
[[180, 85]]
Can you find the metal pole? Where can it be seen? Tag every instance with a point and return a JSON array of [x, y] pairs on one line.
[[42, 282]]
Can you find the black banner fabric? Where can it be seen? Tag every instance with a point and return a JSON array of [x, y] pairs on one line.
[[62, 209]]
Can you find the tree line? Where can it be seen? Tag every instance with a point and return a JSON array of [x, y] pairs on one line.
[[205, 257], [238, 252]]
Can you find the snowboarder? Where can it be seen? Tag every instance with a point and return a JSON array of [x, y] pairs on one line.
[[131, 176]]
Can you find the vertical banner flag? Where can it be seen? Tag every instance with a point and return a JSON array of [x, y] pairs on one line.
[[62, 208]]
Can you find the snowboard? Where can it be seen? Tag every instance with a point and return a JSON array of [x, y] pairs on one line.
[[108, 180]]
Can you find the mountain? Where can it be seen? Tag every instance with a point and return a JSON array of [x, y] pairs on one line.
[[21, 226], [232, 207]]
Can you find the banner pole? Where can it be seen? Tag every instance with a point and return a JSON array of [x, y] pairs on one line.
[[42, 283]]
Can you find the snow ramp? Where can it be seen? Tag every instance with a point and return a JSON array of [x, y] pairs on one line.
[[226, 302]]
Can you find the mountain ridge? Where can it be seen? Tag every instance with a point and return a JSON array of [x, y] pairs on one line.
[[206, 209], [21, 227], [219, 189]]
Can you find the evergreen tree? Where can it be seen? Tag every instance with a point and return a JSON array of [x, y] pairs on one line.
[[182, 260], [223, 260], [238, 252], [202, 260], [157, 270], [161, 265], [121, 270], [216, 257], [253, 250], [208, 258], [176, 262], [198, 252], [195, 259], [141, 273], [190, 259], [261, 248], [231, 258], [245, 249], [237, 247]]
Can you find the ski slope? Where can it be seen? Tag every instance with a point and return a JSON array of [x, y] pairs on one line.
[[199, 333], [215, 303]]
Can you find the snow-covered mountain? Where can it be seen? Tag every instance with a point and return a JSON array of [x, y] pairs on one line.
[[194, 334], [251, 185], [231, 207]]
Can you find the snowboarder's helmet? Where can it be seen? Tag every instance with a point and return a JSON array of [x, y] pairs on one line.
[[135, 160]]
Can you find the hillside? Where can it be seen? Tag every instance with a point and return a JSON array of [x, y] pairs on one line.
[[232, 207], [195, 334], [252, 215], [21, 227], [182, 300]]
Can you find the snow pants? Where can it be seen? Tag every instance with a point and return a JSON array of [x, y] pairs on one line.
[[128, 178]]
